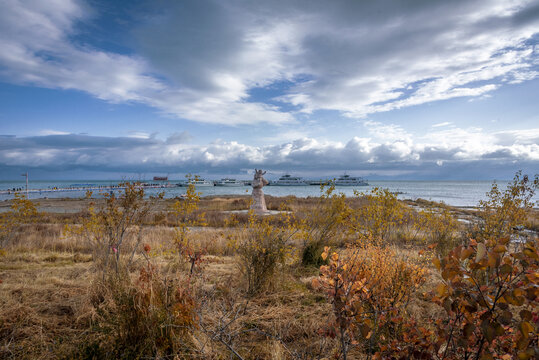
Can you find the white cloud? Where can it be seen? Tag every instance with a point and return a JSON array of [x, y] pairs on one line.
[[445, 123], [200, 60], [451, 147], [387, 133], [52, 132], [140, 135], [447, 53], [37, 50]]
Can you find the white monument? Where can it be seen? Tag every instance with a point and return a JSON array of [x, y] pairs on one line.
[[259, 203]]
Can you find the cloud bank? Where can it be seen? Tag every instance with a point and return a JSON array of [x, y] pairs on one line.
[[475, 152], [203, 60]]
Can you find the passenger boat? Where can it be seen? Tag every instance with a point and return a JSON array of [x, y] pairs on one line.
[[229, 182], [288, 180], [201, 182], [347, 180]]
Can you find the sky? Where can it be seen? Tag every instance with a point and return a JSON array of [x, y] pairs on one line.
[[403, 89]]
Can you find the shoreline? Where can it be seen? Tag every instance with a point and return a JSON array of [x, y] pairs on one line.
[[453, 193], [75, 205]]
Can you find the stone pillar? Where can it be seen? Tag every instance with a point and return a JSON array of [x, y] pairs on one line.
[[259, 203]]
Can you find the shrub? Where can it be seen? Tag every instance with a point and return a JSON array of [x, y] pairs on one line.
[[22, 211], [489, 292], [440, 228], [380, 218], [153, 317], [323, 224], [115, 231], [485, 285], [185, 211], [504, 212], [369, 288], [261, 248]]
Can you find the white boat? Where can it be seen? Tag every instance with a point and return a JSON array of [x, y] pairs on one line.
[[288, 180], [201, 183], [319, 182], [347, 180], [229, 182]]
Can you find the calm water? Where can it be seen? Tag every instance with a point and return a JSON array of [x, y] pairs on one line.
[[457, 193]]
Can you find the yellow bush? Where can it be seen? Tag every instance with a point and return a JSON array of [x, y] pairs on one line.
[[261, 248], [114, 231], [505, 211], [438, 227], [22, 211], [380, 218], [323, 224], [185, 211]]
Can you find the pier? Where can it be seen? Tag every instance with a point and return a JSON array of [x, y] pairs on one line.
[[85, 188]]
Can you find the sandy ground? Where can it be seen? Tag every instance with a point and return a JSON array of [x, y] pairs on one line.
[[75, 205], [70, 205], [65, 205]]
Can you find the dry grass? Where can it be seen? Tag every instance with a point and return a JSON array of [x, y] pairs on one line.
[[46, 282], [532, 222], [43, 303], [216, 208], [46, 285]]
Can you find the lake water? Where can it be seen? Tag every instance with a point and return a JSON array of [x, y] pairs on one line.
[[456, 193]]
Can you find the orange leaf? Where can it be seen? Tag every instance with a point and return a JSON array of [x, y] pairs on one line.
[[526, 328], [493, 259], [466, 253], [441, 289]]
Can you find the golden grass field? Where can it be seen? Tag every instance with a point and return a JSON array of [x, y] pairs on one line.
[[48, 285]]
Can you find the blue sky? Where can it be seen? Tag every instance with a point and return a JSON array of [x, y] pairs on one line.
[[385, 89]]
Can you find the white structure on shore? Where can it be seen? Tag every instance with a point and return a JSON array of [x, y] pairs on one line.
[[259, 203]]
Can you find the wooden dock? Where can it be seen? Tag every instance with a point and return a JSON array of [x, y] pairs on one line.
[[105, 188]]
